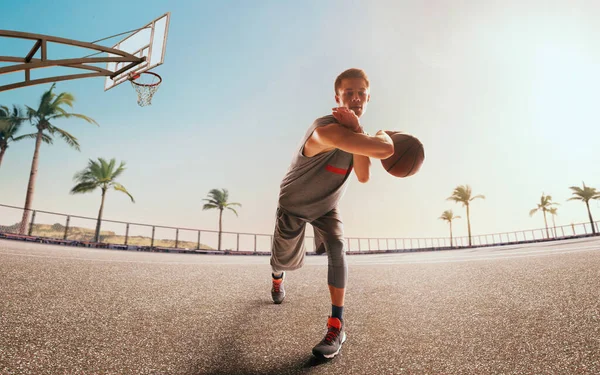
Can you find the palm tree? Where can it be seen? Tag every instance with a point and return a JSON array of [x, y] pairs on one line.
[[99, 174], [448, 216], [10, 125], [544, 205], [51, 107], [219, 199], [585, 195], [553, 212], [462, 194]]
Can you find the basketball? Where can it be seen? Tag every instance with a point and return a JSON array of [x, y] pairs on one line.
[[408, 155]]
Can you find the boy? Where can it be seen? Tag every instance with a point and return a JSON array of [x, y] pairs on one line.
[[310, 192]]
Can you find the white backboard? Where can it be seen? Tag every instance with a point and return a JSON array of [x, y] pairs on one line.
[[150, 41]]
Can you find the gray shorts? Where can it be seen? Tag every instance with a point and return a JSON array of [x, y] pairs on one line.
[[288, 250]]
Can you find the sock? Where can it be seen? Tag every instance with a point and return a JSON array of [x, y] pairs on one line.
[[275, 276], [337, 311]]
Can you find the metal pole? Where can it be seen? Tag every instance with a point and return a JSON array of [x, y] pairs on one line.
[[67, 227], [255, 243], [152, 240], [32, 221], [198, 248], [177, 238], [238, 242]]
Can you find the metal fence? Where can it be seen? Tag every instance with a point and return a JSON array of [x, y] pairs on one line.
[[80, 230]]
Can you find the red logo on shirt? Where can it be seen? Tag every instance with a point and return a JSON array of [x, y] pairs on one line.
[[333, 169]]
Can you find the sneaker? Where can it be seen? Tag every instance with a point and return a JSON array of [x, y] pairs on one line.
[[330, 346], [278, 291]]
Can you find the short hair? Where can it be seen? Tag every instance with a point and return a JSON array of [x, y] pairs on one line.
[[350, 73]]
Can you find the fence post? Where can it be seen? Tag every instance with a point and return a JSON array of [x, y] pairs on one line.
[[238, 242], [126, 233], [32, 221], [67, 227], [176, 238], [255, 243], [199, 240], [152, 240]]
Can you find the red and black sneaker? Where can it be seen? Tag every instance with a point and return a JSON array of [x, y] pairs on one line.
[[330, 346], [278, 291]]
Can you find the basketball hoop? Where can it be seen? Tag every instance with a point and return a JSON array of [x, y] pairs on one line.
[[145, 84]]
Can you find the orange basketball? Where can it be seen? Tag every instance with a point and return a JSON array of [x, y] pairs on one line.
[[408, 155]]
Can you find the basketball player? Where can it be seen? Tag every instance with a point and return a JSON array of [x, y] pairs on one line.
[[333, 146]]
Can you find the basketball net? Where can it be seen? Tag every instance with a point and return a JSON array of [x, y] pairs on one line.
[[145, 84]]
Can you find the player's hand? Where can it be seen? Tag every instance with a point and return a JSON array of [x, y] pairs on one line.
[[346, 117]]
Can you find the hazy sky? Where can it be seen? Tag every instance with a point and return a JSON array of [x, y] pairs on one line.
[[503, 94]]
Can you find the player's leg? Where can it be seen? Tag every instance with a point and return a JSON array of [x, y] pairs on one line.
[[287, 250], [329, 233]]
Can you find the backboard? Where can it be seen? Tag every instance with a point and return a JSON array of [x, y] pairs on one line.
[[150, 42]]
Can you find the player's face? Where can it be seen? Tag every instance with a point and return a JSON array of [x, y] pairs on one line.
[[353, 94]]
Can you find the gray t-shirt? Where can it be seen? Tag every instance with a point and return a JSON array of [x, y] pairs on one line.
[[313, 186]]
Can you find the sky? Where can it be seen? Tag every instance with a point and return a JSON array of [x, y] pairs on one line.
[[503, 95]]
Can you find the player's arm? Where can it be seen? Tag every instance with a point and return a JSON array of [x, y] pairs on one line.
[[362, 167], [379, 146], [362, 164]]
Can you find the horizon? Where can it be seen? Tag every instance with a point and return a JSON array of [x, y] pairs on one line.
[[491, 90]]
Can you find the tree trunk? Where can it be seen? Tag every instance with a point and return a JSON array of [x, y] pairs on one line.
[[99, 221], [469, 224], [220, 224], [2, 151], [587, 204], [31, 185], [451, 245], [546, 223]]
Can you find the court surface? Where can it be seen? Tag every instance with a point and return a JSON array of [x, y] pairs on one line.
[[522, 309]]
